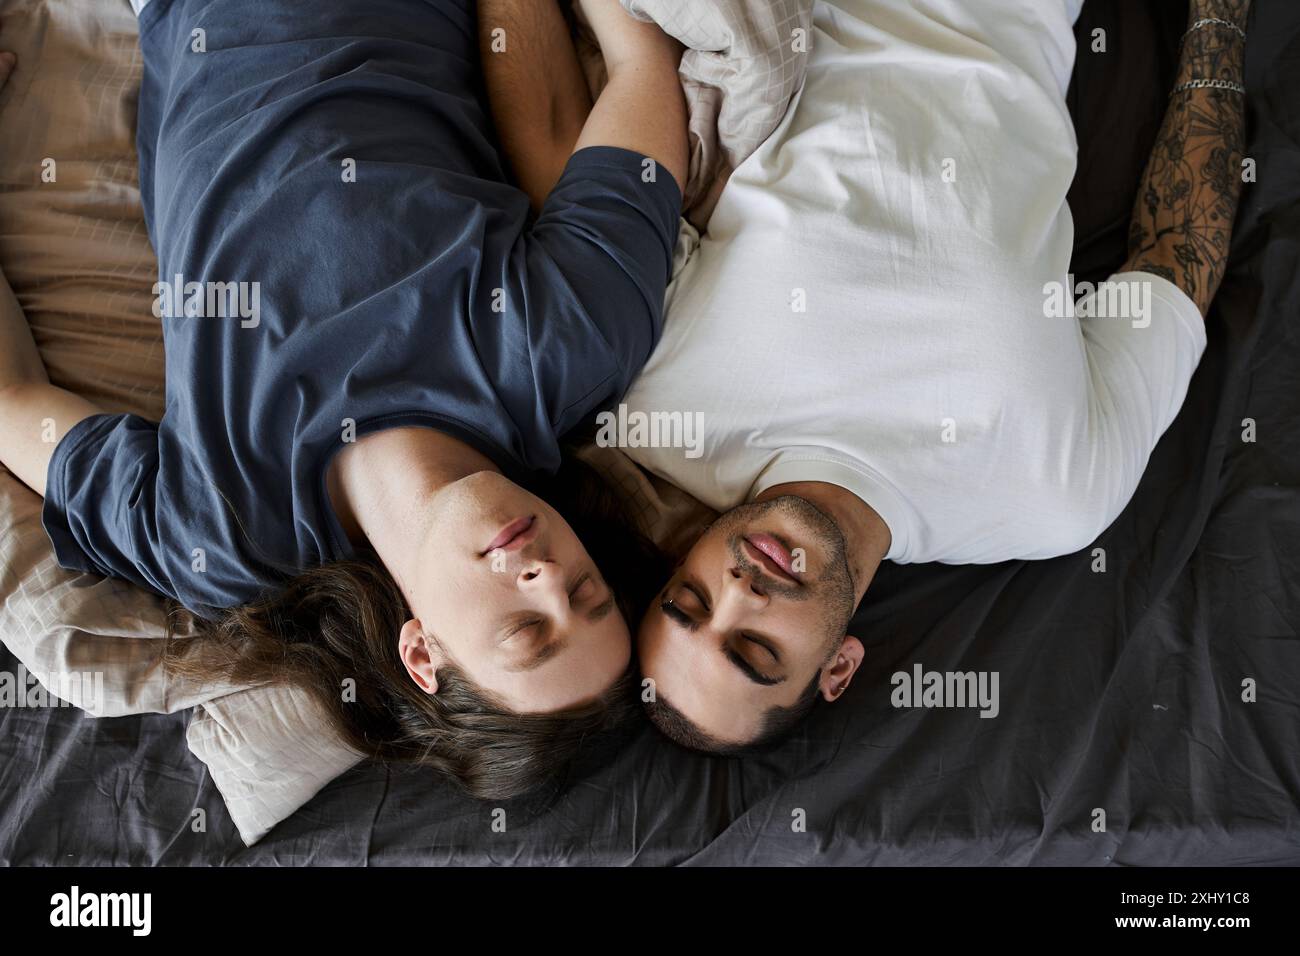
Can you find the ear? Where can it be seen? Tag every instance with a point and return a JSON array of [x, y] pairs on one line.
[[421, 656], [835, 678]]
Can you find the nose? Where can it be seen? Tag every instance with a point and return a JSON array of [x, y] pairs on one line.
[[741, 593], [536, 572], [543, 580]]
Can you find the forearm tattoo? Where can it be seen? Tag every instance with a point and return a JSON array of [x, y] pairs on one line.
[[1182, 221]]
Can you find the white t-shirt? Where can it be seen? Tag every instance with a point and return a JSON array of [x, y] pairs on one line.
[[869, 306]]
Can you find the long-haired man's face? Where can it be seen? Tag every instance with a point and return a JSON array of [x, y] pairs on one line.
[[749, 617], [508, 594]]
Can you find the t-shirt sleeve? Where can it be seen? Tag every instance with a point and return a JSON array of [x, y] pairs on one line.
[[1140, 367], [598, 261], [100, 500]]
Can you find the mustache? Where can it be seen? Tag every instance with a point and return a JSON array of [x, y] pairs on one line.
[[773, 585]]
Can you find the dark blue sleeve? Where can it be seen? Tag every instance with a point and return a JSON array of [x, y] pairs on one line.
[[100, 505], [599, 258]]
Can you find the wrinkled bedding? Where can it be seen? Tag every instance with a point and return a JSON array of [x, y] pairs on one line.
[[743, 63], [1121, 690]]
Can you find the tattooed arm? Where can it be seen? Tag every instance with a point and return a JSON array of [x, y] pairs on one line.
[[1182, 221]]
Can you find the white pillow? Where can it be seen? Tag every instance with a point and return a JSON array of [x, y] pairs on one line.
[[269, 750]]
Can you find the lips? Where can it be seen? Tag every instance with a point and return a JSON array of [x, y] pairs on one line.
[[513, 536], [774, 557]]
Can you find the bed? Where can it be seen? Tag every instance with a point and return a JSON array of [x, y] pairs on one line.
[[1163, 692]]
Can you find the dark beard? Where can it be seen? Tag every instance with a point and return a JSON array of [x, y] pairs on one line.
[[833, 590]]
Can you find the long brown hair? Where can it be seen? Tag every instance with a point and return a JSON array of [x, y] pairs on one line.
[[335, 626]]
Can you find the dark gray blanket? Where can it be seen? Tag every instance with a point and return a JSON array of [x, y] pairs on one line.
[[1121, 691]]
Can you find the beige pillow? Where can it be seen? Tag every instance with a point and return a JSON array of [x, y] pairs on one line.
[[269, 751]]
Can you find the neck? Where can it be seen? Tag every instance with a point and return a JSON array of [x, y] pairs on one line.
[[866, 536], [384, 485]]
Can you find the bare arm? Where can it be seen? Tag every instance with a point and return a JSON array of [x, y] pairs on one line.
[[642, 107], [539, 97], [535, 86], [33, 418], [1182, 222], [34, 414]]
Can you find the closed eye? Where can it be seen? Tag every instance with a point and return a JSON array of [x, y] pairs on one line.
[[522, 625], [583, 589], [749, 670], [771, 651], [677, 615], [577, 586], [699, 595]]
